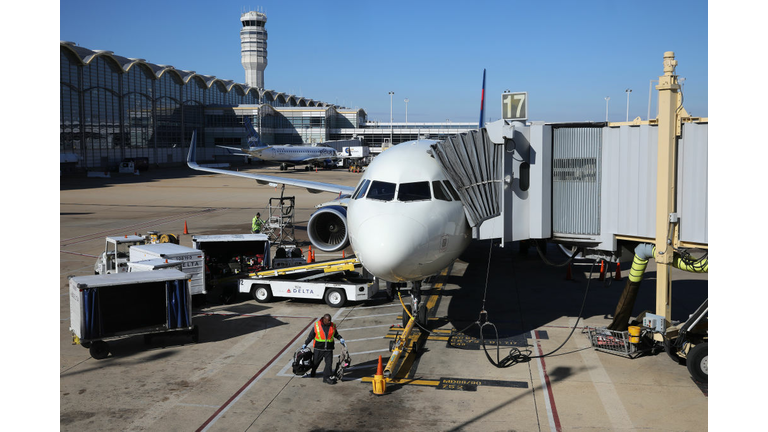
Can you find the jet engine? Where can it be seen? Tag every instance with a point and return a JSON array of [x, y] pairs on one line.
[[327, 229]]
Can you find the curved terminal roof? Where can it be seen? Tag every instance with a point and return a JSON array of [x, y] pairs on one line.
[[86, 56]]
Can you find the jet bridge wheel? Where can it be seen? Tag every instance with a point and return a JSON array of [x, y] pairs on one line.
[[335, 298], [261, 293]]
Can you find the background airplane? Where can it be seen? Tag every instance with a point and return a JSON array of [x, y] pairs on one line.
[[285, 155]]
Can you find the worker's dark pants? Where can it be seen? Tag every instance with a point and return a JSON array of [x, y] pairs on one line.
[[319, 356]]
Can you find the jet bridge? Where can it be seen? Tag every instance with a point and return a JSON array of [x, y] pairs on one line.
[[586, 184], [503, 175]]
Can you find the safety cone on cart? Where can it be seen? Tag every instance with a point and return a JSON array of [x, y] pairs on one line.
[[379, 384], [186, 231]]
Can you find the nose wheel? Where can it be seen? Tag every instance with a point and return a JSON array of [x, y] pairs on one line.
[[417, 306]]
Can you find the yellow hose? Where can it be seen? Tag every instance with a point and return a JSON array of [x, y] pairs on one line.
[[403, 304]]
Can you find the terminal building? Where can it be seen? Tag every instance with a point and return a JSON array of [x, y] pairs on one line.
[[113, 107]]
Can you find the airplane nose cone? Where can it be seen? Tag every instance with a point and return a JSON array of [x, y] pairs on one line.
[[391, 247]]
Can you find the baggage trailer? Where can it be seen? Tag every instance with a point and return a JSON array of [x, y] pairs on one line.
[[229, 257], [192, 261], [332, 281], [114, 306]]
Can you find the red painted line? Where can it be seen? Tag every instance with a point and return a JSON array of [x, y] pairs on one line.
[[253, 378], [550, 395]]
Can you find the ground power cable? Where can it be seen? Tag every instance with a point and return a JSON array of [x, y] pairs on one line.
[[515, 354]]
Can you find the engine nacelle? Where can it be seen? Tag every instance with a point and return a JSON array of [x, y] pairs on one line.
[[327, 229]]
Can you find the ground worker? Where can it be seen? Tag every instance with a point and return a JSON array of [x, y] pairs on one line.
[[257, 223], [323, 333]]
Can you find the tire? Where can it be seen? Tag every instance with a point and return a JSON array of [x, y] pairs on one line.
[[669, 348], [697, 363], [262, 293], [335, 298], [407, 318], [421, 315], [99, 350]]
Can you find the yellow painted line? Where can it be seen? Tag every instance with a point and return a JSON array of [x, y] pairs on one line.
[[405, 381], [437, 338]]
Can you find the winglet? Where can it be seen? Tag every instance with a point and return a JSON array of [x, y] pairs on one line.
[[192, 156], [482, 101]]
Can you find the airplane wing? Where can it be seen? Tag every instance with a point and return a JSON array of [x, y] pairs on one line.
[[234, 151], [311, 186]]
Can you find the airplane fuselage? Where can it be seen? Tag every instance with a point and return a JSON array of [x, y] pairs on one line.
[[405, 220], [293, 155]]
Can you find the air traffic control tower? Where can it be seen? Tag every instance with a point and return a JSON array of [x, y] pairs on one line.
[[253, 47]]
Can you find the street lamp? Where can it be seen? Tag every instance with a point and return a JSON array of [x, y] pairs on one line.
[[628, 91], [607, 98], [406, 110], [390, 117]]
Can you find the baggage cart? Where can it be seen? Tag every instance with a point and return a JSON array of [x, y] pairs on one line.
[[113, 306]]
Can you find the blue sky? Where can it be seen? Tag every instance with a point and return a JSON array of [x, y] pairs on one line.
[[568, 55]]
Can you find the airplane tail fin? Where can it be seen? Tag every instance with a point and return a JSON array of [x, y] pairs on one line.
[[482, 102], [192, 156], [254, 140]]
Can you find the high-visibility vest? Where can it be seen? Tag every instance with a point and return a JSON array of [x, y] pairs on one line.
[[320, 335], [256, 224]]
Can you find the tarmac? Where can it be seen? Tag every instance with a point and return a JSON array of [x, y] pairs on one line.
[[238, 375]]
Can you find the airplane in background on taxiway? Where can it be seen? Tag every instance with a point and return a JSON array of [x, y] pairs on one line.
[[285, 155]]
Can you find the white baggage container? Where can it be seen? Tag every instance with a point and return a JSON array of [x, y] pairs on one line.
[[112, 306], [192, 261]]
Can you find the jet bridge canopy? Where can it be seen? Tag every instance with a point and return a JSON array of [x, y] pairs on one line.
[[474, 166]]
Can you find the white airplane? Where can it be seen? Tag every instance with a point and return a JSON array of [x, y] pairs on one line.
[[404, 219], [285, 155]]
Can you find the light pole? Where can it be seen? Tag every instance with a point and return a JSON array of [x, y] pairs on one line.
[[406, 110], [390, 117], [628, 91], [607, 98]]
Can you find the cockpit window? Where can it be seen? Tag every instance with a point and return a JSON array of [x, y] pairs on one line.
[[450, 188], [439, 191], [417, 191], [382, 191], [361, 188]]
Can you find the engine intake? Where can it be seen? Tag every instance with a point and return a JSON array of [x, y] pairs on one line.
[[327, 229]]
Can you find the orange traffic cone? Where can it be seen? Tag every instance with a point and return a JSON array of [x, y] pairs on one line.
[[186, 231], [379, 385], [568, 273], [617, 276], [310, 258], [602, 270], [344, 254]]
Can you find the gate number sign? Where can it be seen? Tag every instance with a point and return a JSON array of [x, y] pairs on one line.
[[514, 106]]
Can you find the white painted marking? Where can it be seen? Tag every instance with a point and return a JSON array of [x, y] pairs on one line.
[[615, 410]]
